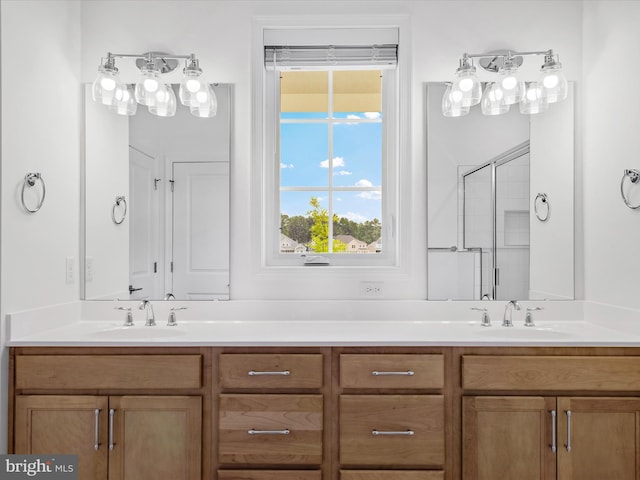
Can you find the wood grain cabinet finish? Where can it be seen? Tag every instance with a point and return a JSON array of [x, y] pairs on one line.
[[508, 437], [270, 429], [392, 430], [271, 371], [555, 373], [392, 371], [391, 475], [41, 372], [117, 437], [269, 475]]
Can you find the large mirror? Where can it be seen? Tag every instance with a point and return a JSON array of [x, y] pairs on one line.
[[500, 203], [156, 204]]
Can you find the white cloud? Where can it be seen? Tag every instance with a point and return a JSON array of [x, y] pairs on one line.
[[353, 117], [370, 195], [342, 172], [364, 183], [286, 165], [337, 162], [372, 115]]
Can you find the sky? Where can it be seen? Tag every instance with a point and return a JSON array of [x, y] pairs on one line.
[[356, 162]]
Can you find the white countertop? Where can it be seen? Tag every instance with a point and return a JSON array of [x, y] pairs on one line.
[[80, 324]]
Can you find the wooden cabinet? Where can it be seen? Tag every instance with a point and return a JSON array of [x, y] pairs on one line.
[[116, 438], [550, 437], [391, 416], [152, 435], [271, 415]]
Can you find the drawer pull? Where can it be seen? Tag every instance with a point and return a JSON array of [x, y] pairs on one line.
[[286, 431], [253, 373], [96, 443], [568, 444], [553, 431], [111, 414], [392, 432], [408, 373]]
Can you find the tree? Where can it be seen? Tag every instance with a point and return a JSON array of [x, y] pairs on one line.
[[320, 229]]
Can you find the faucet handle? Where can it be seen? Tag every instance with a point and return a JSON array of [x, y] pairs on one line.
[[528, 319], [129, 321], [172, 321], [486, 320]]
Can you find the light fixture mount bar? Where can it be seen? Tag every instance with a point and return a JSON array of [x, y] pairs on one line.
[[163, 62], [494, 60]]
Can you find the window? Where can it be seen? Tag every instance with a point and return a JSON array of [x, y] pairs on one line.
[[331, 123]]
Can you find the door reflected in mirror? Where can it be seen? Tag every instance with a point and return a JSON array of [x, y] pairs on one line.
[[174, 174], [484, 173]]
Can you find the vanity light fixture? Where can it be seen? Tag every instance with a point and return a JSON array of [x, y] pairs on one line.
[[150, 90], [508, 88]]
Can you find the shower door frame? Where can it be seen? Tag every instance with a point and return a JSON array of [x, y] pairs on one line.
[[497, 161]]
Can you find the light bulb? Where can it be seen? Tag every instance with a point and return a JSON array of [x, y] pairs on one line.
[[125, 101], [106, 84], [511, 85], [466, 87], [552, 80], [148, 84], [206, 108], [193, 85], [493, 100], [452, 107], [165, 102], [533, 101]]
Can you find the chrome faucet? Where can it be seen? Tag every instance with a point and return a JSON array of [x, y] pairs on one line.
[[508, 313], [151, 318], [169, 296]]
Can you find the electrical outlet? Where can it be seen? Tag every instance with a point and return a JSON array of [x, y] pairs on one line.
[[70, 270], [371, 289]]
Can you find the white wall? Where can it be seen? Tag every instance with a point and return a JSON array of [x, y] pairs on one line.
[[40, 133], [611, 124], [220, 32]]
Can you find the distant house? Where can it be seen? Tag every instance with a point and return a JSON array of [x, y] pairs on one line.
[[375, 247], [353, 244], [288, 245]]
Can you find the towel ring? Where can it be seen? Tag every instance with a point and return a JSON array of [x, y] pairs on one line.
[[30, 181], [120, 200], [634, 177], [541, 199]]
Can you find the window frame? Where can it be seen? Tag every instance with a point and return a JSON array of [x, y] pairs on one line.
[[272, 257]]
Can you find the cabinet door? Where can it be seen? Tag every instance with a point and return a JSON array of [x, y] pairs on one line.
[[64, 424], [599, 438], [155, 438], [509, 438]]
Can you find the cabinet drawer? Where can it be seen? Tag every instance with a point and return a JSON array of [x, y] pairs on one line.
[[391, 475], [375, 430], [107, 371], [556, 373], [391, 371], [270, 429], [289, 370], [269, 475]]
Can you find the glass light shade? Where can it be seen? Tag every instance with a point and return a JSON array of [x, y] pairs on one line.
[[106, 84], [192, 83], [451, 104], [553, 82], [468, 85], [510, 84], [148, 86], [125, 103], [164, 104], [206, 103], [533, 100], [493, 100]]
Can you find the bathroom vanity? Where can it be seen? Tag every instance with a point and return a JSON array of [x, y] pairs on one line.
[[311, 410]]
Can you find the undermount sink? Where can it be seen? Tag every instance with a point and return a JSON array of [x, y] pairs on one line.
[[139, 332], [523, 333]]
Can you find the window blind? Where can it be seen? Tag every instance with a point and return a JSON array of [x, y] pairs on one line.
[[328, 56]]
